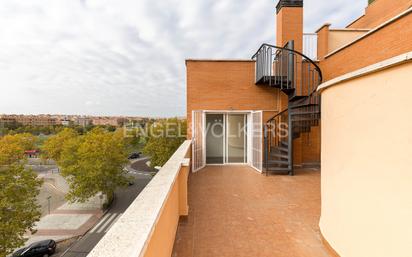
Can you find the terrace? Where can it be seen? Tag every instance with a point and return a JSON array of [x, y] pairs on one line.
[[224, 211]]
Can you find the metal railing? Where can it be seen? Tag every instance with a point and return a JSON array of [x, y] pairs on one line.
[[277, 134], [310, 45], [287, 69]]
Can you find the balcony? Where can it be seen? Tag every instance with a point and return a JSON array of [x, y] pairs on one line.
[[234, 211]]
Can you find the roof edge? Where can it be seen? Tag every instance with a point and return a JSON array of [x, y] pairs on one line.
[[386, 64], [219, 60]]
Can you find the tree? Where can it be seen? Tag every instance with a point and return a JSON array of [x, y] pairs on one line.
[[165, 136], [132, 139], [53, 146], [93, 163], [19, 188], [12, 147]]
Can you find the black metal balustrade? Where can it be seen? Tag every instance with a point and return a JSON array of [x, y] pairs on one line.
[[297, 76]]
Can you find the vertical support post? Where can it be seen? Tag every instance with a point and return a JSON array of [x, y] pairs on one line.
[[290, 141], [182, 187], [265, 146], [291, 64], [48, 201]]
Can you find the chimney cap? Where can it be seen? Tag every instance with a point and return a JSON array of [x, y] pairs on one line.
[[288, 3]]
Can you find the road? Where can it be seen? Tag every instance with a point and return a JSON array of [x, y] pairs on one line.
[[123, 198]]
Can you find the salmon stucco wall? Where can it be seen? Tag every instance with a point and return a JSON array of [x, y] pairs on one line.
[[366, 164], [339, 38]]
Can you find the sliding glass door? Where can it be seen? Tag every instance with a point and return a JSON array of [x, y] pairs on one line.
[[236, 142], [226, 138], [215, 138]]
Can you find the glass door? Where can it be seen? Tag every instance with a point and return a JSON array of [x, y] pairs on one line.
[[215, 138], [236, 143]]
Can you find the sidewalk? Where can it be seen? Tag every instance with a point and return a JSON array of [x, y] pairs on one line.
[[70, 219]]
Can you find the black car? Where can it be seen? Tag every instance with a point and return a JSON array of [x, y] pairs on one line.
[[38, 249], [134, 156]]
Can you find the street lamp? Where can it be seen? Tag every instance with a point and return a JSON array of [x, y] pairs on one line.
[[48, 200]]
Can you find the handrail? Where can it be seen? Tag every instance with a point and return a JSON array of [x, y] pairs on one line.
[[293, 51], [278, 114]]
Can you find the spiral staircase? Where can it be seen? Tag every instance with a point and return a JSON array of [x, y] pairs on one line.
[[298, 77]]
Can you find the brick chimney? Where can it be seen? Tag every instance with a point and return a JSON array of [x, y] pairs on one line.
[[289, 23]]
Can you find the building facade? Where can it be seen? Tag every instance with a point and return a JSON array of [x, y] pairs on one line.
[[29, 120], [362, 72]]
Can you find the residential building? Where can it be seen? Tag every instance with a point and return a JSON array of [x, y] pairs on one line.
[[29, 120], [83, 121], [339, 99]]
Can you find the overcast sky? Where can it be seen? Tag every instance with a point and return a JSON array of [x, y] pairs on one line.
[[126, 57]]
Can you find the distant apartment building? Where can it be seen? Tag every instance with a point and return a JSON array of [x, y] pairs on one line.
[[105, 121], [29, 120], [6, 119], [65, 122], [83, 121]]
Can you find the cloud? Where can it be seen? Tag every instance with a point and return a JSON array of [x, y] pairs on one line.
[[126, 57]]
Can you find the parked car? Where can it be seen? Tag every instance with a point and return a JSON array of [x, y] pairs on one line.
[[43, 248], [134, 156]]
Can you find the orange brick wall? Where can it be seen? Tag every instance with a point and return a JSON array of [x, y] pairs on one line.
[[380, 11], [228, 85], [323, 41], [289, 26], [392, 40]]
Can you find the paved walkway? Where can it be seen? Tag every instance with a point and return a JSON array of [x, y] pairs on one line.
[[235, 211], [124, 197], [71, 220], [66, 220]]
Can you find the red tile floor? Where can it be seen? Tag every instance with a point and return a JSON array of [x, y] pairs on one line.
[[236, 211]]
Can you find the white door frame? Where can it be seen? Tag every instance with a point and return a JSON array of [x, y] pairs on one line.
[[256, 165], [196, 163], [249, 135]]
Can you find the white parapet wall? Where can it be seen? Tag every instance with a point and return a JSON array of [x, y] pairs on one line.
[[148, 226]]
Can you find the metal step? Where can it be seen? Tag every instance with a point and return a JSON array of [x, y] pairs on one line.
[[296, 119], [278, 162], [278, 155], [280, 149], [271, 170], [283, 143], [298, 113], [295, 97], [300, 106]]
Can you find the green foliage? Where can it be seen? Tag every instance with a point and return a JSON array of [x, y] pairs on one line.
[[91, 163], [53, 146], [19, 188], [165, 137], [132, 139], [370, 1], [12, 147], [17, 128]]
